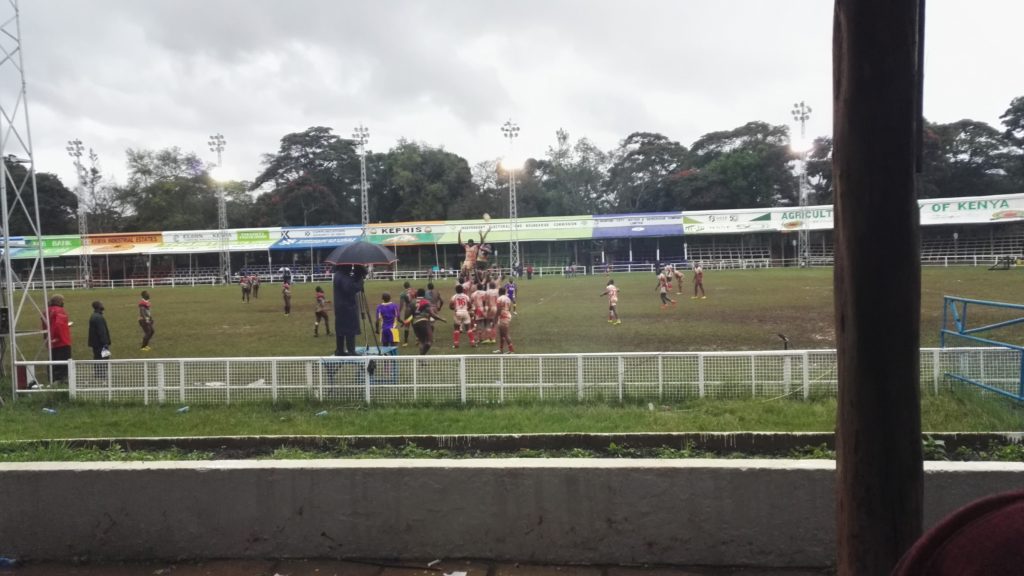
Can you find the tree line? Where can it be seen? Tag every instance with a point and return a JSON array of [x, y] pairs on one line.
[[313, 178]]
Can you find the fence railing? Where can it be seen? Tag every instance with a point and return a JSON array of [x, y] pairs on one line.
[[486, 379]]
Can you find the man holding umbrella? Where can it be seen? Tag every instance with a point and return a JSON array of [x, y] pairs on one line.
[[350, 306], [348, 283]]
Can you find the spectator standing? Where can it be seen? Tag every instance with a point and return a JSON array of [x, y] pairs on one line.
[[698, 281], [99, 337], [146, 321], [348, 283], [529, 272], [60, 337]]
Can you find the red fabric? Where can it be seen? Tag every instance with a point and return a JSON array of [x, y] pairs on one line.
[[60, 331], [986, 537]]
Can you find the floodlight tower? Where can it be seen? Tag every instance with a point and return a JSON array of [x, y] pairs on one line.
[[361, 135], [75, 149], [24, 293], [802, 113], [511, 132], [217, 143]]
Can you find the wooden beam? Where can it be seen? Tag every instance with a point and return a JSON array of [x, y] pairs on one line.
[[877, 283]]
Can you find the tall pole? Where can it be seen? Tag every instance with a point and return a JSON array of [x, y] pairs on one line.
[[361, 135], [801, 113], [511, 132], [879, 474], [217, 143], [75, 149], [24, 292]]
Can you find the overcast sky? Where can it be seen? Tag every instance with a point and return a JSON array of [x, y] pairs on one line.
[[159, 73]]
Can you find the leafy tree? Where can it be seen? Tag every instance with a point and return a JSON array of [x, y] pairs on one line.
[[1013, 120], [103, 204], [748, 166], [965, 158], [168, 190], [574, 176], [58, 206], [313, 178], [819, 171], [645, 173], [148, 166], [418, 182]]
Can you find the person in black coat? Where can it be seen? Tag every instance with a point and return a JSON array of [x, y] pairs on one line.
[[348, 283], [99, 336]]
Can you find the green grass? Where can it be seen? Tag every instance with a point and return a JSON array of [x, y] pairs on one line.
[[745, 309], [966, 412]]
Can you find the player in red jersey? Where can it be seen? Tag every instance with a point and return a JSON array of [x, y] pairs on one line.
[[503, 307], [460, 303], [612, 292]]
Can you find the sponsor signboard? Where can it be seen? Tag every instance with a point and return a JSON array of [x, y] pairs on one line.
[[637, 225], [311, 237], [727, 221]]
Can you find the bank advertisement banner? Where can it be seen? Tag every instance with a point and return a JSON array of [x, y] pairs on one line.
[[53, 246], [312, 237]]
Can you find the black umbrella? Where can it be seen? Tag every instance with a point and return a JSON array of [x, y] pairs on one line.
[[360, 253]]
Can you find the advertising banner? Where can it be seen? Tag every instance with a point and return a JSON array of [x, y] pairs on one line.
[[727, 221], [637, 225], [200, 241], [310, 237], [53, 246], [1006, 208], [104, 244]]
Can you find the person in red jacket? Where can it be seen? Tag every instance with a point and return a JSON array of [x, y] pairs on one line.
[[60, 337]]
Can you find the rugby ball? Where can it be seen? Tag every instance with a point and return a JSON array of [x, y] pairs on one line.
[[487, 217]]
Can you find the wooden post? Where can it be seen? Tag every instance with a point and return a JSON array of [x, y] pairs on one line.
[[877, 283]]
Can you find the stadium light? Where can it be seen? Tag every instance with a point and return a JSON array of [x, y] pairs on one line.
[[75, 149], [510, 130], [361, 134], [217, 143], [802, 113]]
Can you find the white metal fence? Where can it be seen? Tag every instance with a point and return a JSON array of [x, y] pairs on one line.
[[484, 379]]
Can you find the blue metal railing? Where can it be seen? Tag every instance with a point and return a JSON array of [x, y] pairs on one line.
[[954, 324]]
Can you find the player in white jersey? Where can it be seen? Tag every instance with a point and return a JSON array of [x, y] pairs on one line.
[[463, 322], [612, 292], [503, 307]]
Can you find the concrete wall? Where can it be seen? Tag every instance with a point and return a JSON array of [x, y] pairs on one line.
[[714, 512]]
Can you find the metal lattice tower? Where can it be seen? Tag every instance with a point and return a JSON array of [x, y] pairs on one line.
[[75, 149], [361, 135], [511, 131], [24, 293], [801, 113], [217, 143]]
